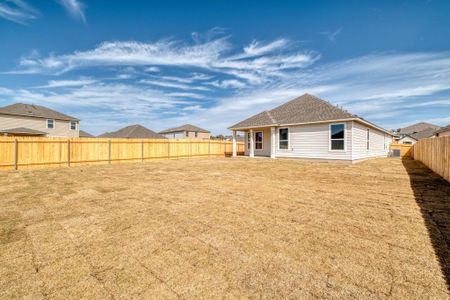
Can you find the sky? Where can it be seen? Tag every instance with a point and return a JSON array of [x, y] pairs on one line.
[[214, 63]]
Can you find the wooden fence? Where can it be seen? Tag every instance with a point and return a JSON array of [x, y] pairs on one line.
[[405, 150], [435, 154], [37, 152]]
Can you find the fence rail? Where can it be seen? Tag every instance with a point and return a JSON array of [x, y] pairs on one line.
[[37, 152], [435, 154]]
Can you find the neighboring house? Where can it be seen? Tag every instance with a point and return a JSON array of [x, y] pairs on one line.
[[133, 132], [85, 134], [444, 131], [186, 131], [411, 134], [35, 120], [309, 127]]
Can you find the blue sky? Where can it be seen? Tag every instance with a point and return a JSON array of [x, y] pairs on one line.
[[213, 63]]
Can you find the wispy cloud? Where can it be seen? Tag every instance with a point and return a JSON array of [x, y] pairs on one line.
[[75, 8], [68, 83], [332, 35], [18, 11]]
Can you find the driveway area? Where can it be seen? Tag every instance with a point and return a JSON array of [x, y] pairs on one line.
[[225, 228]]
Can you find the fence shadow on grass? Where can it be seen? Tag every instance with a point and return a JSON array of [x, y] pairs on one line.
[[432, 194]]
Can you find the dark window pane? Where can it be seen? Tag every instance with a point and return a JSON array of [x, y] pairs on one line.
[[337, 145], [283, 134], [283, 144], [337, 131], [258, 136]]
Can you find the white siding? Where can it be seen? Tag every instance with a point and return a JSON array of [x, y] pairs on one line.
[[312, 141], [378, 144], [61, 128], [175, 135], [407, 139]]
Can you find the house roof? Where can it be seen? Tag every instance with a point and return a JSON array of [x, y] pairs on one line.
[[443, 129], [185, 127], [418, 127], [304, 109], [423, 134], [133, 132], [23, 131], [32, 110], [85, 134]]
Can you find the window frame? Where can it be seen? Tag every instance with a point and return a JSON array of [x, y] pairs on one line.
[[262, 140], [288, 139], [344, 139], [53, 123], [70, 125]]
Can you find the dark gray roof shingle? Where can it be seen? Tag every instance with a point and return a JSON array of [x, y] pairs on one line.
[[85, 134], [185, 127], [304, 109], [37, 111], [133, 132], [23, 131], [418, 127]]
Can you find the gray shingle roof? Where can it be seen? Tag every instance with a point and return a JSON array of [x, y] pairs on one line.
[[23, 131], [443, 129], [185, 127], [85, 134], [418, 127], [423, 134], [304, 109], [133, 132], [32, 110]]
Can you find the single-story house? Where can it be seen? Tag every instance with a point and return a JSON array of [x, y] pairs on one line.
[[312, 128], [133, 132], [187, 131], [444, 131], [34, 120], [406, 139]]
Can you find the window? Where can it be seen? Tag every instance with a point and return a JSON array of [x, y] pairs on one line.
[[407, 143], [187, 133], [368, 139], [248, 140], [337, 136], [73, 125], [50, 123], [196, 134], [258, 140], [283, 138]]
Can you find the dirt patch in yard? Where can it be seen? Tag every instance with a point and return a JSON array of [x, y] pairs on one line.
[[225, 228]]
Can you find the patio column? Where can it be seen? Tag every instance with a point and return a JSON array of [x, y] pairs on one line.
[[252, 144], [234, 143], [272, 142]]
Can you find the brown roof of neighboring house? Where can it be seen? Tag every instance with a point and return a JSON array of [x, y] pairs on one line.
[[304, 109], [423, 134], [133, 132], [443, 129], [32, 110], [185, 127], [418, 127], [85, 134], [23, 131]]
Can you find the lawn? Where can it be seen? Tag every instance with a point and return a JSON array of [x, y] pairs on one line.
[[225, 228]]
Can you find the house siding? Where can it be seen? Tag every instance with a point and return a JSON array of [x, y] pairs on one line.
[[378, 143], [61, 128], [190, 135], [312, 141]]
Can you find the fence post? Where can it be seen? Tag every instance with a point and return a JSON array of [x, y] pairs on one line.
[[168, 148], [68, 153], [190, 148], [109, 151], [142, 150], [209, 147], [15, 154], [224, 148]]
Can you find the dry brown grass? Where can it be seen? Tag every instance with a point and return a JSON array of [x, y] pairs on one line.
[[220, 228]]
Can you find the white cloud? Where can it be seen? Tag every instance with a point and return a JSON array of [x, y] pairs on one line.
[[18, 11], [230, 83], [173, 85], [75, 8], [68, 83], [332, 35]]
